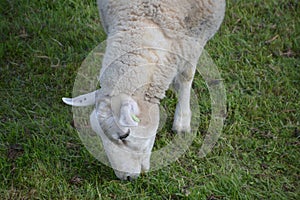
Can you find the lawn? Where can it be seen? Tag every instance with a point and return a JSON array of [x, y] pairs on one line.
[[257, 50]]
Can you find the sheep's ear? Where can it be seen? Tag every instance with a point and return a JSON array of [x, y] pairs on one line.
[[128, 111], [82, 100]]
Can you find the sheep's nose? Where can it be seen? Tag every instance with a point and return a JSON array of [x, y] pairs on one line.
[[126, 176], [132, 177]]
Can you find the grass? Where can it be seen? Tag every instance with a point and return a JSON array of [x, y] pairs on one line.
[[42, 44]]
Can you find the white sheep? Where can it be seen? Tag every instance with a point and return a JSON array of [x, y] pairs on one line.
[[150, 45]]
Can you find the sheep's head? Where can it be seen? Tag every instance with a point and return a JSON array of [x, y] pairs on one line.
[[127, 126]]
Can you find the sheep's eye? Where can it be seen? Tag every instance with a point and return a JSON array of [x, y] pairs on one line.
[[123, 137]]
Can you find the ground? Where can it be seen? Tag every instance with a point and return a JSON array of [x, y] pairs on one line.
[[42, 44]]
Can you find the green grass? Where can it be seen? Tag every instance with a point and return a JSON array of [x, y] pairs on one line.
[[42, 44]]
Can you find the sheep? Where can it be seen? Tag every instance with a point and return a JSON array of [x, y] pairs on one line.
[[150, 45]]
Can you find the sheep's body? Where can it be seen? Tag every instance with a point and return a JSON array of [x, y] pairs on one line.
[[150, 44], [178, 26]]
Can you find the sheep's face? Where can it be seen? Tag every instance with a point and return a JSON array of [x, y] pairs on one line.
[[127, 128]]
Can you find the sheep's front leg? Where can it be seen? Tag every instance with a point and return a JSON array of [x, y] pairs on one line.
[[183, 84]]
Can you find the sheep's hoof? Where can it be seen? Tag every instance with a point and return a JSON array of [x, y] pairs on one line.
[[181, 129], [182, 123]]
